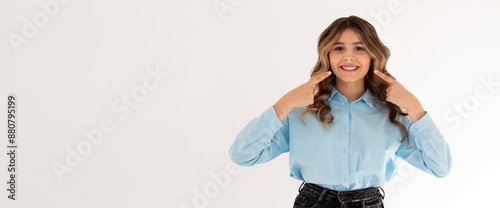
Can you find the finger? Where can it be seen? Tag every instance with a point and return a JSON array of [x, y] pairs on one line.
[[321, 77], [384, 77]]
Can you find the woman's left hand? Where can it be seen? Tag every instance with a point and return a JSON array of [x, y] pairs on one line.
[[398, 95]]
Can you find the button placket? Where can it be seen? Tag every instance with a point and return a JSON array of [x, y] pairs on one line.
[[344, 142]]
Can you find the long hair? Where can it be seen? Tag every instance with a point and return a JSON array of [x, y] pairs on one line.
[[379, 55]]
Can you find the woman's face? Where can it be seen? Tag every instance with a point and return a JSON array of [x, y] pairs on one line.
[[349, 59]]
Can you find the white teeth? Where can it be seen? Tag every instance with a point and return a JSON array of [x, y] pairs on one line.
[[349, 68]]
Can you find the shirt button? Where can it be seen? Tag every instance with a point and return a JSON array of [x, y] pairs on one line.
[[343, 126], [344, 178], [344, 150]]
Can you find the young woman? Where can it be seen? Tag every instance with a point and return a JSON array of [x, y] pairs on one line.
[[346, 126]]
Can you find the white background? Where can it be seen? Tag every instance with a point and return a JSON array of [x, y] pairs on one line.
[[225, 68]]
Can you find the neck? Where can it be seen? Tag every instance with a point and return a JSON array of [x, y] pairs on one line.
[[352, 91]]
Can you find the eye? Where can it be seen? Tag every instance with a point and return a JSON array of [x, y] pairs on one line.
[[342, 48]]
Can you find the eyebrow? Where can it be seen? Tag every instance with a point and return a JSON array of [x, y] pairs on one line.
[[341, 43]]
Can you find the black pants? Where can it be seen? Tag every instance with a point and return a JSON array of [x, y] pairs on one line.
[[314, 196]]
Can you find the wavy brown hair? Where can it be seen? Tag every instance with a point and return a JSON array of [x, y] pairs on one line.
[[379, 55]]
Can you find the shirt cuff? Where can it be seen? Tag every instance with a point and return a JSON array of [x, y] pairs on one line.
[[272, 119], [422, 124]]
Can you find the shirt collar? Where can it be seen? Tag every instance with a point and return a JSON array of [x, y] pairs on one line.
[[340, 99]]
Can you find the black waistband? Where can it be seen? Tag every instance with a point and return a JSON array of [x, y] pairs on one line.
[[351, 195]]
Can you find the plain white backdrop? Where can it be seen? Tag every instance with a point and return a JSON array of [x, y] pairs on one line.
[[169, 84]]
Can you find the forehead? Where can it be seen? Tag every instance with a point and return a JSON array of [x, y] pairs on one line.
[[349, 36]]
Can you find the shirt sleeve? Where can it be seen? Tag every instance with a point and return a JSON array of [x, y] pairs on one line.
[[261, 140], [428, 150]]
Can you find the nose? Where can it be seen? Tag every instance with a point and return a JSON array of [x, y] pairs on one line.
[[348, 56]]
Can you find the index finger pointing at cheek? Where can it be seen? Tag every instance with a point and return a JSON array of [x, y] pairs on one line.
[[321, 77], [386, 78]]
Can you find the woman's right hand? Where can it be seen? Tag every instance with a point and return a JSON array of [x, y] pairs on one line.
[[301, 96]]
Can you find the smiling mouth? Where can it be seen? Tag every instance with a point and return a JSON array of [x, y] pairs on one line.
[[349, 68]]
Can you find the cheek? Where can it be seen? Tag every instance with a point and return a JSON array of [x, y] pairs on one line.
[[334, 60], [366, 59]]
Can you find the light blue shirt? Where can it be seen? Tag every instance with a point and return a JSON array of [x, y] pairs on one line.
[[358, 151]]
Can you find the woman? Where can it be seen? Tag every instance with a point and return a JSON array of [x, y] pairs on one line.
[[347, 125]]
